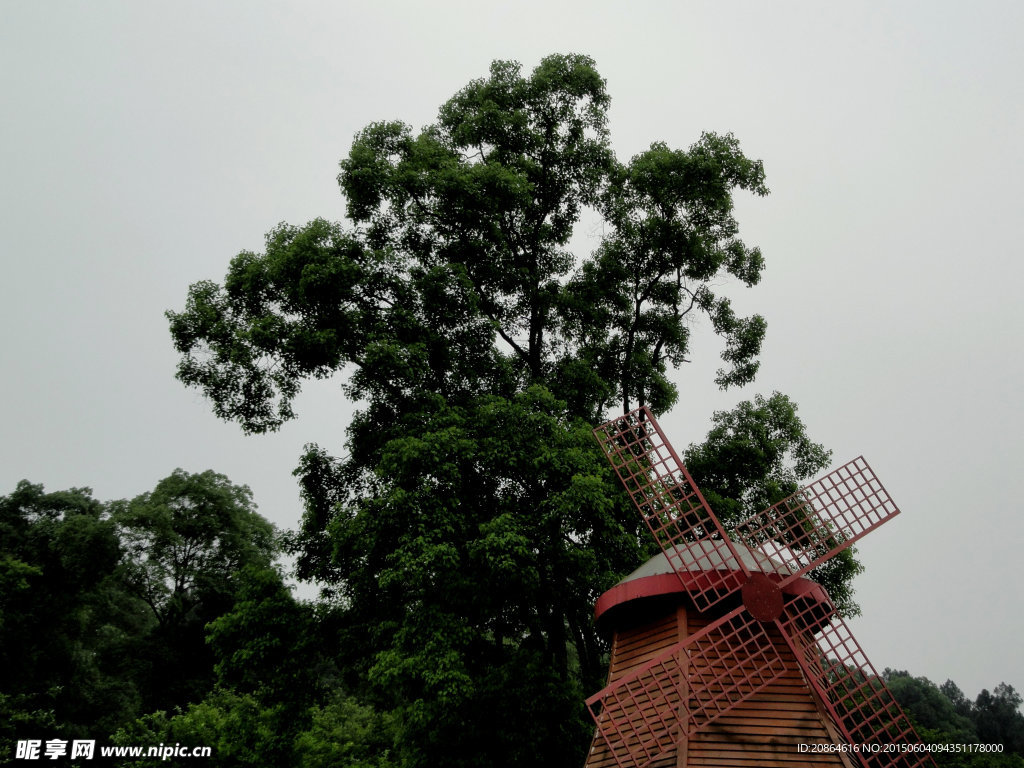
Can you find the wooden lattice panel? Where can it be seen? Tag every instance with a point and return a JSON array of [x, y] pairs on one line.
[[821, 519], [671, 505], [851, 690], [763, 730]]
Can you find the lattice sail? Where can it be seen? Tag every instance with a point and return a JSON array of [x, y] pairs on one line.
[[852, 692], [821, 519], [672, 506]]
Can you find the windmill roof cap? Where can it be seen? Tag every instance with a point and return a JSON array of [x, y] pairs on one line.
[[658, 577], [708, 556]]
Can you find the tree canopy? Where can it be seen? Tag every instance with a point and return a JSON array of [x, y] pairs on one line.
[[943, 715], [64, 623], [457, 280], [473, 521], [105, 605]]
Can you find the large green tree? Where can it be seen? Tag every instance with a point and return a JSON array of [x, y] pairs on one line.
[[186, 544], [104, 606], [946, 718], [270, 678], [65, 623], [473, 521]]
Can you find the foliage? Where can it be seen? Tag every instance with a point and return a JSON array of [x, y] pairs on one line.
[[64, 622], [243, 731], [104, 606], [757, 455], [961, 704], [185, 543], [943, 715], [344, 732], [929, 707], [462, 599], [270, 646], [188, 538], [238, 730], [458, 280], [998, 718]]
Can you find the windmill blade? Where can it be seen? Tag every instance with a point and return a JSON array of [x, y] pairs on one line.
[[820, 520], [643, 714], [849, 688], [672, 506]]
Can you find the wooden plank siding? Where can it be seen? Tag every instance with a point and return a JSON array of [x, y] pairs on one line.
[[762, 732]]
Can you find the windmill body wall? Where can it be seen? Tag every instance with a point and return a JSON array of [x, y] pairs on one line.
[[764, 731]]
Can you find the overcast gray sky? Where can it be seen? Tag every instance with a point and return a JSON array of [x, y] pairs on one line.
[[145, 144]]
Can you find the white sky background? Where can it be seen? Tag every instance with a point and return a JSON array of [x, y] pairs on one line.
[[144, 144]]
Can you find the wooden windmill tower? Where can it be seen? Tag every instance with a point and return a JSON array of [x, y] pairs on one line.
[[723, 653]]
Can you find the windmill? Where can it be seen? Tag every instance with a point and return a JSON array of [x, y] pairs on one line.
[[759, 621]]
